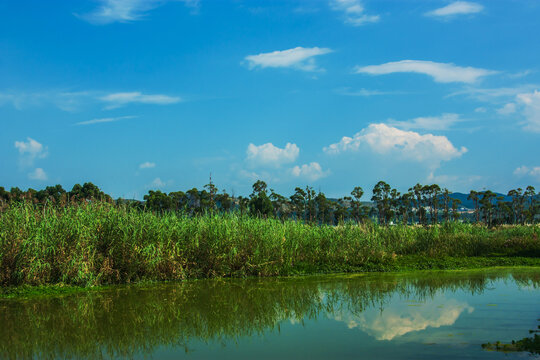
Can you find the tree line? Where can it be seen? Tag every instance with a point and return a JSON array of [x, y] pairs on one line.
[[421, 204]]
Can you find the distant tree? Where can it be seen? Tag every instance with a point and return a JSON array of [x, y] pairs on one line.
[[518, 201], [158, 201], [382, 199], [323, 208], [446, 204], [356, 204], [418, 202], [473, 195], [298, 201], [486, 202], [259, 203], [455, 207]]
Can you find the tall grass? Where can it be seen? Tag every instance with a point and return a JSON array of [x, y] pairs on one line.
[[99, 243]]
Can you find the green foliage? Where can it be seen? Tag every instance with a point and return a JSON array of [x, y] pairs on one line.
[[99, 243]]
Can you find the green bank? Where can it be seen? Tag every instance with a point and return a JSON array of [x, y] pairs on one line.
[[100, 244]]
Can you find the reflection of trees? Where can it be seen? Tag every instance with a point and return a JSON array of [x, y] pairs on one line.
[[129, 320]]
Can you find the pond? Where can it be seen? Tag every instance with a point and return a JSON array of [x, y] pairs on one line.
[[424, 315]]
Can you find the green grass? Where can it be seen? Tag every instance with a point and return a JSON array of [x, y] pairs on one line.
[[99, 244]]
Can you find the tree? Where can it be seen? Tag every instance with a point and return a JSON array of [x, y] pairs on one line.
[[455, 206], [356, 204], [381, 197], [517, 204], [473, 195], [486, 203], [260, 204], [446, 204], [158, 201], [298, 200], [418, 202]]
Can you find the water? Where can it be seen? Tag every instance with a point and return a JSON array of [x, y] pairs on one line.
[[443, 315]]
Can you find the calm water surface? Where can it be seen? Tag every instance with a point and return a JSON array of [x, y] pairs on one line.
[[442, 315]]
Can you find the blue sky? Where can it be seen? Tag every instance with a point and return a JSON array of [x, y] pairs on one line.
[[136, 95]]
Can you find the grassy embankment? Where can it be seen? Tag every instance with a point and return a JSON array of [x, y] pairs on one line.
[[100, 244]]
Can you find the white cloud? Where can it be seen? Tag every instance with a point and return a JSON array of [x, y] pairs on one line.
[[530, 103], [147, 165], [38, 174], [354, 12], [456, 8], [443, 122], [507, 109], [384, 139], [104, 120], [441, 72], [298, 58], [270, 155], [124, 98], [30, 150], [533, 172], [480, 109], [400, 319], [312, 171], [124, 11], [157, 183]]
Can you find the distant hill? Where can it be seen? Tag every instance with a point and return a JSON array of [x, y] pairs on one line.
[[469, 204]]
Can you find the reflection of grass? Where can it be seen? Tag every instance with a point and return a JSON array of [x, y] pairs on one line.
[[98, 244], [528, 344], [122, 321]]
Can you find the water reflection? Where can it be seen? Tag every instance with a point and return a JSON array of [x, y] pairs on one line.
[[401, 318], [129, 321]]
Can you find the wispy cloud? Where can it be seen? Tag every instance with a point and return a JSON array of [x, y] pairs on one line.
[[354, 12], [312, 171], [38, 174], [147, 165], [507, 109], [270, 155], [124, 11], [440, 72], [442, 122], [530, 103], [455, 9], [298, 58], [105, 120], [364, 92], [387, 140], [491, 94], [123, 98], [30, 150]]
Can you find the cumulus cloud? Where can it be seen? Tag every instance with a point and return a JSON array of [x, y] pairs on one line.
[[440, 72], [530, 103], [533, 172], [384, 139], [312, 171], [30, 150], [270, 155], [354, 12], [299, 58], [456, 8], [443, 122], [124, 11], [104, 120], [38, 174], [123, 98], [147, 165]]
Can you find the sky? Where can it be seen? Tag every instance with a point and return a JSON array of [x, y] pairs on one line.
[[134, 95]]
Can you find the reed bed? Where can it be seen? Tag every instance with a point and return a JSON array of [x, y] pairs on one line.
[[98, 243]]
